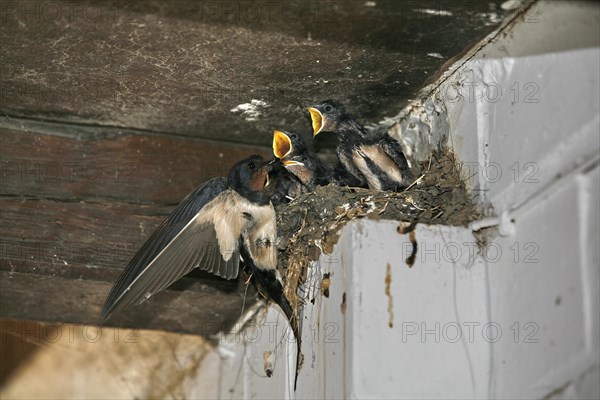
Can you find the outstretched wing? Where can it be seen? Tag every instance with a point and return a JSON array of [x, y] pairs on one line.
[[187, 239]]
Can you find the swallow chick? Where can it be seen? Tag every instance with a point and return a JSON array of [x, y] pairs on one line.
[[297, 158], [219, 224], [374, 158], [283, 186]]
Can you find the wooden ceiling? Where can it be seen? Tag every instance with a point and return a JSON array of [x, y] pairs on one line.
[[112, 112]]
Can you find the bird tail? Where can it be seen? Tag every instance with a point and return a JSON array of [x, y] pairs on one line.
[[268, 281]]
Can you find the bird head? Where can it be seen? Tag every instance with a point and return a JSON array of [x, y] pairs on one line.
[[249, 178], [326, 116], [302, 166], [287, 144]]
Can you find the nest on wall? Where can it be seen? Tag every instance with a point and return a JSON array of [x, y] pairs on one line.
[[310, 224]]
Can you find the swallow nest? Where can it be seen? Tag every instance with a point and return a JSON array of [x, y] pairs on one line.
[[310, 224]]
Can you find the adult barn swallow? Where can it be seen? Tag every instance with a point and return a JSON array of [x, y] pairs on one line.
[[296, 157], [374, 158], [220, 223]]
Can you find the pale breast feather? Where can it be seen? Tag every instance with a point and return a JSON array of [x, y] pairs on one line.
[[260, 240], [233, 217]]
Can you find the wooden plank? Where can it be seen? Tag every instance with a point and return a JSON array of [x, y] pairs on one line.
[[204, 310], [130, 167], [74, 251], [61, 234]]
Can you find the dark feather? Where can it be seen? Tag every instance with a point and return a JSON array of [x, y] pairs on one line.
[[392, 147], [166, 232]]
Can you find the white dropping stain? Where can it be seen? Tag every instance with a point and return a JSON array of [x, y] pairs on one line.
[[268, 362], [250, 111], [429, 11], [370, 4], [490, 18], [435, 55], [511, 5], [372, 206], [319, 245], [226, 350]]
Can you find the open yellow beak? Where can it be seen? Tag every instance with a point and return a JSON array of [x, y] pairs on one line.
[[317, 120], [282, 145]]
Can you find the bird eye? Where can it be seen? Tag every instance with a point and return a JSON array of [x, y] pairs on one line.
[[251, 165], [328, 108], [304, 159]]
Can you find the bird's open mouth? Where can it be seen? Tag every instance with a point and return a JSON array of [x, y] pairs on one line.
[[317, 120], [291, 162], [282, 145]]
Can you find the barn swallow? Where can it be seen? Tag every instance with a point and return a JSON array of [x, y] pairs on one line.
[[297, 158], [219, 224], [374, 158]]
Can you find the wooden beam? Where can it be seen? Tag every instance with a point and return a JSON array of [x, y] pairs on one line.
[[73, 211], [126, 167]]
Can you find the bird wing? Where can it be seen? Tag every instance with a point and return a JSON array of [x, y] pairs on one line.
[[200, 232], [344, 154], [393, 148]]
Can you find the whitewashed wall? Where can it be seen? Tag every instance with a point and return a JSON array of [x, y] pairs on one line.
[[516, 318]]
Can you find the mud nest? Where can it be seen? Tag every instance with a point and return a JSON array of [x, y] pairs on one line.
[[310, 224]]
